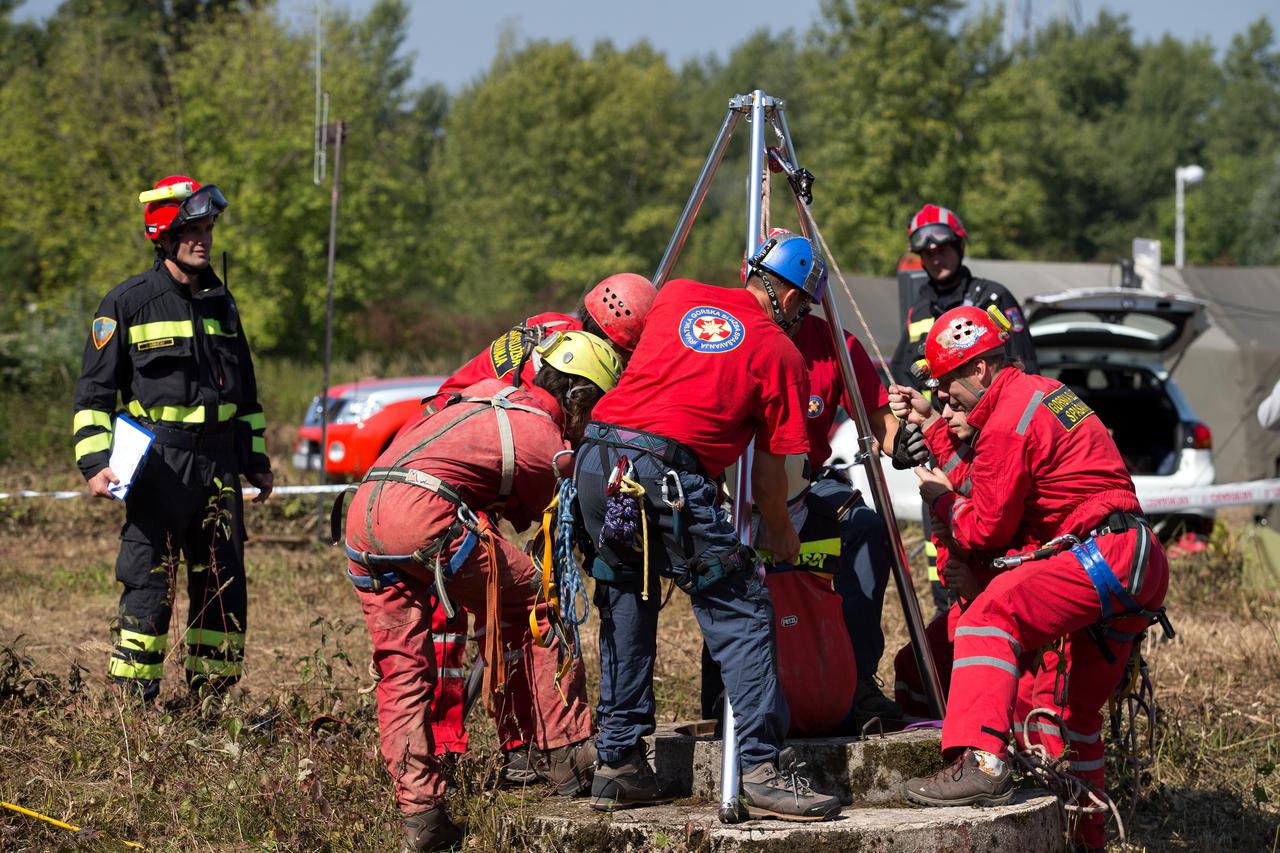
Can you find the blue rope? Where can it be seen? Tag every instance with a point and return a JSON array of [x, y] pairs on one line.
[[575, 606]]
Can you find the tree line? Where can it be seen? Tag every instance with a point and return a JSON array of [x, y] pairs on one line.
[[558, 166]]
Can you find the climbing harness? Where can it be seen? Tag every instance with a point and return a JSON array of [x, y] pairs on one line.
[[474, 528]]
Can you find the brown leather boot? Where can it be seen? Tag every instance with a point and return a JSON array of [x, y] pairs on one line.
[[963, 782], [570, 768], [430, 830]]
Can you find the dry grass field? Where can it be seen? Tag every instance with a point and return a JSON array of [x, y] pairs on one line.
[[289, 762]]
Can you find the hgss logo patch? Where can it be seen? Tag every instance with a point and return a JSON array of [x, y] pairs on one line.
[[816, 406], [710, 330]]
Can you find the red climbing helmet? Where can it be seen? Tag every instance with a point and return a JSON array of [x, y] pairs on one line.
[[961, 335], [934, 226], [618, 304]]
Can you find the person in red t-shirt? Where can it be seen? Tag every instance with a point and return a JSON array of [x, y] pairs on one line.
[[712, 372], [612, 310], [423, 526]]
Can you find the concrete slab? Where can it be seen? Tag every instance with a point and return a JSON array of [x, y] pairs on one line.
[[1030, 823], [861, 772]]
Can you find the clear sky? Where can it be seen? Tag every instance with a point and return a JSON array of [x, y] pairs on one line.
[[453, 42]]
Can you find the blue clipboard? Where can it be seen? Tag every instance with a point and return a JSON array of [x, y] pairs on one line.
[[130, 446]]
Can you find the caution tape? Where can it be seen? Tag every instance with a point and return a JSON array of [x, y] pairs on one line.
[[1154, 502], [248, 492], [1210, 497]]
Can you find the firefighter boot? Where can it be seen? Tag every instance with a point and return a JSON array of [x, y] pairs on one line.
[[963, 782], [630, 782], [430, 830], [570, 768], [779, 791]]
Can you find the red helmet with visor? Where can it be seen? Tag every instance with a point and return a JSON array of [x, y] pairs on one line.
[[177, 200]]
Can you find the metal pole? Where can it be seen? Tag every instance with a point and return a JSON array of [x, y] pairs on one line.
[[1179, 225], [875, 474], [699, 194], [340, 131], [730, 808]]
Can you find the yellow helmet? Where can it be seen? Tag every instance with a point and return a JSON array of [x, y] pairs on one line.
[[582, 354]]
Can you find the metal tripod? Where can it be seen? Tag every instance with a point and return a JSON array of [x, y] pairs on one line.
[[763, 110]]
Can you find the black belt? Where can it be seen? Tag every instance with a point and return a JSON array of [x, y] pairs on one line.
[[671, 452], [1119, 522], [222, 438]]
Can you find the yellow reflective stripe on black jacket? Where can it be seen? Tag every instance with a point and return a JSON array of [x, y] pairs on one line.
[[168, 354]]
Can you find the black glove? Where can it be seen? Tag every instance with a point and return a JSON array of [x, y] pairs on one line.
[[909, 448]]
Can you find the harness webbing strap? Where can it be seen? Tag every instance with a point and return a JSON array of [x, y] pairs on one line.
[[508, 453]]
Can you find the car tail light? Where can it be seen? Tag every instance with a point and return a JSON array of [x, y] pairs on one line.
[[1201, 437]]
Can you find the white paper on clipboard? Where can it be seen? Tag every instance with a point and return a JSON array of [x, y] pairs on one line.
[[129, 445]]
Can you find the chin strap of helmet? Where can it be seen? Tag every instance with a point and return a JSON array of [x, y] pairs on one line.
[[778, 316]]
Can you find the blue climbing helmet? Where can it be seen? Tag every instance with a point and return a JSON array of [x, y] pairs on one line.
[[794, 259]]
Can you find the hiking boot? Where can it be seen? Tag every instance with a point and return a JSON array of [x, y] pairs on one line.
[[869, 701], [517, 769], [570, 768], [430, 830], [777, 790], [961, 783], [631, 782]]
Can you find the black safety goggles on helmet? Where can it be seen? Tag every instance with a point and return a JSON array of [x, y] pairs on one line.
[[935, 234], [206, 201]]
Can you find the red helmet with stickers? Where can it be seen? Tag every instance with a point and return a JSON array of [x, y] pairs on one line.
[[176, 200], [618, 305], [934, 226], [961, 335]]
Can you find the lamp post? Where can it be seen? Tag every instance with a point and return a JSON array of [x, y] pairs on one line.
[[1183, 176]]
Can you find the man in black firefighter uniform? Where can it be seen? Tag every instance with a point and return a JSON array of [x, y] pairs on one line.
[[169, 344], [937, 235]]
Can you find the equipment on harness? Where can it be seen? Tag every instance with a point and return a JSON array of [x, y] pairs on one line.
[[562, 589], [673, 497], [625, 515], [1054, 546]]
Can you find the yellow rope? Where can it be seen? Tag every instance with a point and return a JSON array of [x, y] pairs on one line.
[[60, 824], [631, 487]]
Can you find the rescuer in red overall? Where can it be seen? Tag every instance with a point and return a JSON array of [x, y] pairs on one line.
[[613, 310], [1044, 467], [422, 526]]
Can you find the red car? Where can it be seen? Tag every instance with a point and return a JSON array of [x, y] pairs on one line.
[[363, 418]]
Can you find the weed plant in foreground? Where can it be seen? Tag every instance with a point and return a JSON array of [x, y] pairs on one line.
[[288, 760]]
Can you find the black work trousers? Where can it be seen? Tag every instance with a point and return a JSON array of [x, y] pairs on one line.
[[185, 506]]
